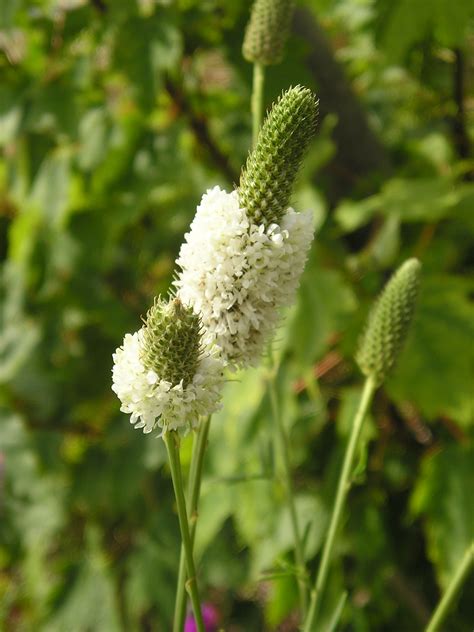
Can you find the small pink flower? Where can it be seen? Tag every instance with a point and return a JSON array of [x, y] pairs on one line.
[[210, 616]]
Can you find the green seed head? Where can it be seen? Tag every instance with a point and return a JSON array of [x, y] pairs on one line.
[[268, 177], [389, 322], [171, 341], [267, 31]]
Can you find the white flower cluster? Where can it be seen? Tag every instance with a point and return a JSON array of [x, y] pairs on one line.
[[152, 401], [238, 275]]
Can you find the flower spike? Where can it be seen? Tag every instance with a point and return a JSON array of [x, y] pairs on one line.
[[242, 260]]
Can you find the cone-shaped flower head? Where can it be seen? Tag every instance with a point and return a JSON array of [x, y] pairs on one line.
[[243, 257], [267, 180], [389, 322], [163, 375], [171, 341], [267, 31]]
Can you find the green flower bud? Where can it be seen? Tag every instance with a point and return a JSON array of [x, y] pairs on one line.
[[267, 180], [171, 344], [267, 31], [389, 322]]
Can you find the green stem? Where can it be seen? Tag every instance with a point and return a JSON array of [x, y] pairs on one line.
[[171, 440], [456, 582], [342, 490], [257, 100], [283, 446], [194, 488]]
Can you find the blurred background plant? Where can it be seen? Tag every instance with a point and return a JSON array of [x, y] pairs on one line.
[[114, 118]]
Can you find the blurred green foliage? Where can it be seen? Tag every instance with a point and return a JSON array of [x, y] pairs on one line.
[[114, 118]]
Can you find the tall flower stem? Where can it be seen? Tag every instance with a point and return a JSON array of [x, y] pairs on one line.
[[282, 441], [456, 582], [194, 489], [341, 495], [171, 440], [257, 100]]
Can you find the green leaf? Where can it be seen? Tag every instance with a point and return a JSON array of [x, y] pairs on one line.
[[254, 513], [51, 189], [282, 598], [312, 520], [153, 45], [93, 138], [19, 334], [422, 199], [350, 399], [334, 622], [409, 23], [35, 506], [55, 109], [8, 9], [308, 197], [151, 571], [330, 300], [233, 428], [351, 214], [435, 368], [215, 506], [443, 499], [10, 115], [90, 603], [385, 246], [451, 21]]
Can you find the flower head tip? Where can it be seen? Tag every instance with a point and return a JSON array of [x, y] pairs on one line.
[[268, 177]]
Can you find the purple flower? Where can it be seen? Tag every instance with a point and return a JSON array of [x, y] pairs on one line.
[[210, 616]]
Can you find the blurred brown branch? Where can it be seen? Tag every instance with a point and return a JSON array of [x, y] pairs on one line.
[[200, 130], [359, 151]]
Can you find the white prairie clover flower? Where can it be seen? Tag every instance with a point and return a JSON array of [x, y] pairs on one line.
[[238, 275], [243, 257], [162, 374]]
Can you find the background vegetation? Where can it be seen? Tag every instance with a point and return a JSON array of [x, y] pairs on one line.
[[114, 118]]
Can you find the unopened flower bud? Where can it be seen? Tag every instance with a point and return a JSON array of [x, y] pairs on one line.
[[267, 31], [389, 322]]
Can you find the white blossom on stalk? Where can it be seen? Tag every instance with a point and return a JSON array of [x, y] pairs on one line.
[[239, 274], [164, 375], [243, 257]]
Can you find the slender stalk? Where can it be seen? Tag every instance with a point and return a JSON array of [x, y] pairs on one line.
[[194, 488], [342, 490], [171, 441], [456, 582], [257, 100], [283, 446]]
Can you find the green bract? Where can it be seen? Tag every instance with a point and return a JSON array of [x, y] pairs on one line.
[[267, 180], [171, 341], [389, 322], [267, 31]]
